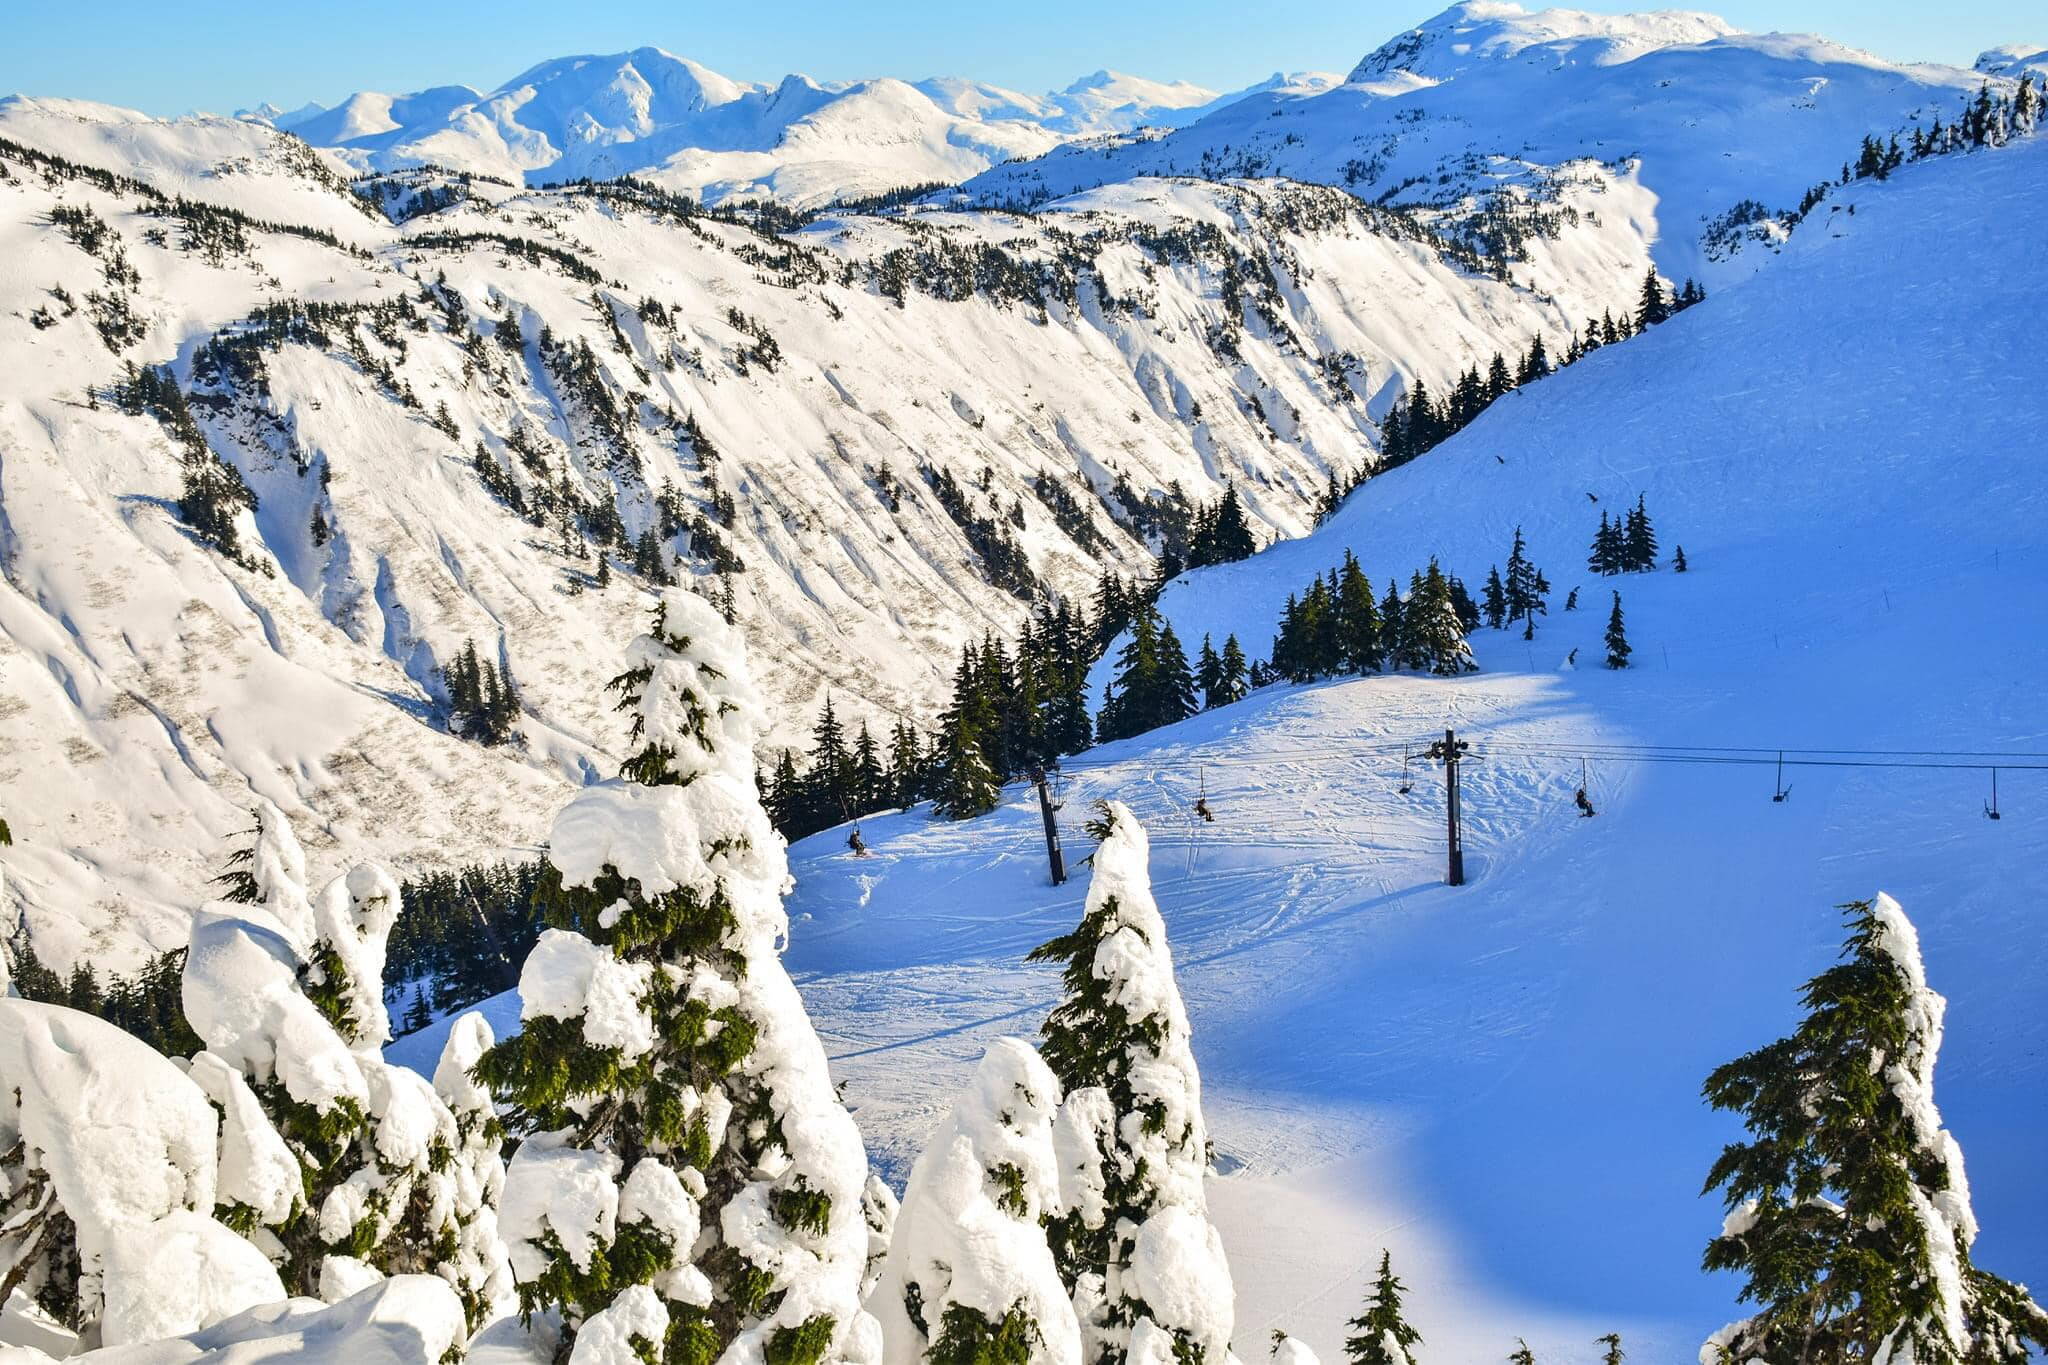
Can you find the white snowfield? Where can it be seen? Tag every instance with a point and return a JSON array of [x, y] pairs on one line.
[[1501, 1082], [1498, 1082], [1704, 116], [151, 689]]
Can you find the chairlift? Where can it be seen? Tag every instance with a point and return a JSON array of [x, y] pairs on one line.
[[1779, 791], [1991, 810], [1407, 784]]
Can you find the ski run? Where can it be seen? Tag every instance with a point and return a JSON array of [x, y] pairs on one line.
[[536, 710]]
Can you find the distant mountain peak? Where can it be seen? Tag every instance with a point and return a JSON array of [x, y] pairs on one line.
[[1498, 30], [2015, 60]]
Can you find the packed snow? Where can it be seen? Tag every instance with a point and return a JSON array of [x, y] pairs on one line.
[[1498, 1083]]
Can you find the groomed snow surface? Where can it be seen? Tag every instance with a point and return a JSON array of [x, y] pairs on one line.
[[1501, 1082]]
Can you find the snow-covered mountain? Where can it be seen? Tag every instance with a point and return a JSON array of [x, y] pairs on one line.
[[626, 367], [1709, 120], [1500, 1082], [2014, 60], [880, 434], [650, 113]]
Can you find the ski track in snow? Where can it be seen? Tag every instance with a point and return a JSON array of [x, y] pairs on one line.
[[1501, 1082]]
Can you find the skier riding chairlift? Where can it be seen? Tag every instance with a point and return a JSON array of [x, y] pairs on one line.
[[1585, 806], [854, 842], [1202, 809]]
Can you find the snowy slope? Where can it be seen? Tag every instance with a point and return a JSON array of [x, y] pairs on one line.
[[1501, 1082], [151, 683], [649, 112], [1703, 116]]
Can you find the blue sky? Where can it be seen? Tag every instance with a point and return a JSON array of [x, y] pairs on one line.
[[169, 58]]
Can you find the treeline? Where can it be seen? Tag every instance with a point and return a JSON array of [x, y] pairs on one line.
[[1011, 710], [1419, 421], [147, 1003], [1336, 628], [1988, 119], [459, 937]]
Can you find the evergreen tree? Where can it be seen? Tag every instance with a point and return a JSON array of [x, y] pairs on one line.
[[1436, 636], [1130, 1132], [1423, 430], [1848, 1211], [344, 1161], [969, 1277], [1467, 609], [1176, 683], [868, 788], [1536, 364], [1394, 438], [213, 496], [1382, 1335], [1606, 557], [1521, 1355], [1655, 305], [688, 1177], [963, 784], [831, 796], [1358, 624], [1498, 380], [1613, 1355], [1209, 675], [1394, 630], [1494, 604], [483, 705], [1616, 637], [1678, 560], [1221, 535], [1233, 671], [1525, 587], [786, 798], [476, 1264], [1152, 686], [906, 766], [1638, 541]]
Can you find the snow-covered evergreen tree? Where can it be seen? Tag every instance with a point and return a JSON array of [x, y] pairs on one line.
[[1848, 1210], [341, 1166], [472, 1180], [1292, 1351], [970, 1278], [109, 1172], [1381, 1335], [1133, 1238], [690, 1178]]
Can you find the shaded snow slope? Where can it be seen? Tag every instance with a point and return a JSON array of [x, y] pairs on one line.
[[620, 351], [1501, 1082], [1704, 116]]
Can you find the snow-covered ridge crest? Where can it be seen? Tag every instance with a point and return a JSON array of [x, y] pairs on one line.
[[1467, 35], [1444, 110]]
